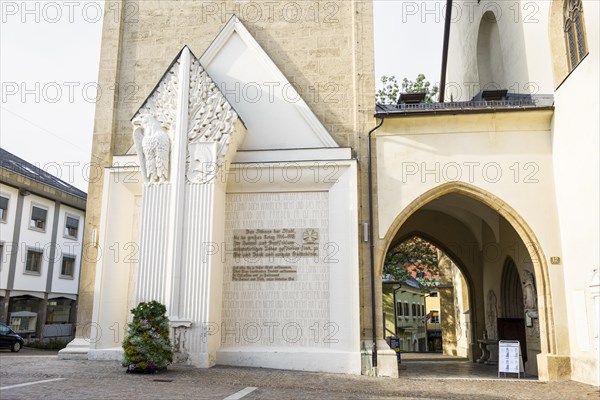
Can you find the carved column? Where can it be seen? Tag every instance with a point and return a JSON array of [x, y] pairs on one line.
[[185, 135]]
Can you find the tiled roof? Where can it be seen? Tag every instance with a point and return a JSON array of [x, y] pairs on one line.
[[10, 162]]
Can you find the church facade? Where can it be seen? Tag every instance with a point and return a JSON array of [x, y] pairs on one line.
[[247, 186]]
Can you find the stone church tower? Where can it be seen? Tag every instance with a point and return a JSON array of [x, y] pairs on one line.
[[317, 57]]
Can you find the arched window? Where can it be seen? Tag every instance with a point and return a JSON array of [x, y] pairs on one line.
[[490, 63], [574, 32]]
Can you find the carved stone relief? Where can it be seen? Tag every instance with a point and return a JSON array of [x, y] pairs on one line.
[[211, 120], [152, 129], [491, 318]]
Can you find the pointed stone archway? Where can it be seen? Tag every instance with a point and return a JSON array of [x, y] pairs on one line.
[[547, 366]]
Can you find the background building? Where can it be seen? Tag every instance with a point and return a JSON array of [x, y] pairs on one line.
[[41, 234], [433, 323], [404, 313]]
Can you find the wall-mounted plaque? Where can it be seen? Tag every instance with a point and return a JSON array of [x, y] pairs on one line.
[[264, 273], [275, 243]]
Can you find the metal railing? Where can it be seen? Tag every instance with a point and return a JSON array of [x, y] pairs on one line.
[[516, 102]]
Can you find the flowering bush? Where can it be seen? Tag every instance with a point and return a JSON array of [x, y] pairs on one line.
[[147, 347]]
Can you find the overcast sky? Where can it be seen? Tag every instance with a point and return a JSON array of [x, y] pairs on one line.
[[49, 54]]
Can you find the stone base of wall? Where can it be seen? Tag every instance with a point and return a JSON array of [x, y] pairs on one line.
[[553, 368], [304, 359], [387, 361], [77, 349], [113, 354], [585, 370]]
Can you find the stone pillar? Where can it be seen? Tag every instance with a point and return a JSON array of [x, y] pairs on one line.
[[41, 317], [73, 314], [181, 262], [4, 308], [447, 320]]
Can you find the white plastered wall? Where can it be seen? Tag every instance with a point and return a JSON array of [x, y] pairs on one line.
[[37, 239], [575, 147], [68, 246], [117, 257], [506, 154], [522, 27], [7, 229], [340, 353]]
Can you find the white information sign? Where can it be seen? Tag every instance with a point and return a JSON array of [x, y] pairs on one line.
[[510, 359]]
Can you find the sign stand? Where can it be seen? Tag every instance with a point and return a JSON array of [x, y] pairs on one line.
[[510, 359], [395, 345]]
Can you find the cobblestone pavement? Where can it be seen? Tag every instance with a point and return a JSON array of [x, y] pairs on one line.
[[107, 380], [438, 366], [28, 351]]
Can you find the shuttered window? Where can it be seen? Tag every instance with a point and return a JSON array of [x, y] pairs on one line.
[[71, 227], [38, 218], [3, 208]]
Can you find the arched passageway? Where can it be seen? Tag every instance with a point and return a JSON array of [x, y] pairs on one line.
[[426, 300], [500, 260]]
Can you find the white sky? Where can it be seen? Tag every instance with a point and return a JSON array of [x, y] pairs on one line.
[[49, 55]]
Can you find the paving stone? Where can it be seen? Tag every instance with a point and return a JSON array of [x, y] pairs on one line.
[[108, 380]]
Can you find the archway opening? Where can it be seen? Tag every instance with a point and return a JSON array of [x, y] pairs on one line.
[[425, 300], [511, 321], [498, 266]]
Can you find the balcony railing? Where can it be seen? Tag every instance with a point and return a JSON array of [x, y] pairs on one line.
[[511, 102]]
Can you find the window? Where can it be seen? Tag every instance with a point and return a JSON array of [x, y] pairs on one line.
[[433, 294], [58, 311], [38, 218], [68, 266], [1, 253], [399, 309], [574, 32], [34, 261], [434, 317], [406, 313], [414, 310], [3, 208], [71, 226]]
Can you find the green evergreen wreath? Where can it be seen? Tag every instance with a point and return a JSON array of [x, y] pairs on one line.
[[147, 347]]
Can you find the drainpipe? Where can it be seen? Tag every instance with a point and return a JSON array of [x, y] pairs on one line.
[[372, 247], [445, 50]]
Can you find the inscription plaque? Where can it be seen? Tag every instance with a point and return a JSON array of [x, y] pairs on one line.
[[284, 243], [264, 273]]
